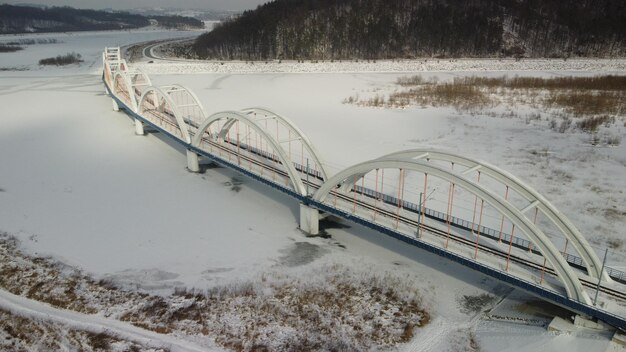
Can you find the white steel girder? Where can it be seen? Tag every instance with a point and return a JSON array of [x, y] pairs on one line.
[[129, 86], [304, 139], [584, 249], [184, 129], [566, 275], [238, 116], [193, 96]]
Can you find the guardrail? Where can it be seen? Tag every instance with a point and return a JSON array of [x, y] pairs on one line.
[[494, 234]]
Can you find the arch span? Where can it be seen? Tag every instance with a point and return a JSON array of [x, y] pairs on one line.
[[566, 275], [124, 77], [191, 108], [157, 94], [230, 116], [139, 78], [588, 255], [298, 132], [112, 62]]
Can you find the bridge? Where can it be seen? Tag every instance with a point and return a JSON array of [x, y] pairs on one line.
[[463, 209]]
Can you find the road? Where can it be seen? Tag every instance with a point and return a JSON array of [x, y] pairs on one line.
[[148, 50]]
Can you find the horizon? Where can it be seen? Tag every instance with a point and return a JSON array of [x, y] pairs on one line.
[[120, 5]]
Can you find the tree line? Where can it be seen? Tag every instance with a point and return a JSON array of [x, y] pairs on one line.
[[20, 19], [386, 29]]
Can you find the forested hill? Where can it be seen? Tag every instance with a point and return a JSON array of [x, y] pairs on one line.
[[370, 29], [22, 19]]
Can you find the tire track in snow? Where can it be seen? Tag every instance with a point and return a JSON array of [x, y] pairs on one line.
[[433, 335], [430, 336], [29, 308]]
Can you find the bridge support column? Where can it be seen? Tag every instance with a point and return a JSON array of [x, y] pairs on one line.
[[139, 127], [309, 220], [192, 161], [115, 106]]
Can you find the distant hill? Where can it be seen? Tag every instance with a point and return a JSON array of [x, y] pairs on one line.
[[384, 29], [27, 19]]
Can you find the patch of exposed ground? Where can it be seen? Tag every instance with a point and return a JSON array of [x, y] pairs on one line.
[[463, 340], [474, 304], [301, 253]]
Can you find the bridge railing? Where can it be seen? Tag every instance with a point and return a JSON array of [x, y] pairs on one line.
[[493, 234], [484, 231]]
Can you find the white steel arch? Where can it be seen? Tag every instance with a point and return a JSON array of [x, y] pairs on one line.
[[238, 116], [156, 91], [110, 68], [588, 255], [303, 138], [195, 102], [566, 275], [107, 73], [125, 77], [136, 74]]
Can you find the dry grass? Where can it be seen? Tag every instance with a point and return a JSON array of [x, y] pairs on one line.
[[609, 82], [21, 334], [597, 100], [416, 80], [460, 96], [587, 103], [62, 60], [331, 308], [591, 124], [9, 48], [288, 313], [424, 92]]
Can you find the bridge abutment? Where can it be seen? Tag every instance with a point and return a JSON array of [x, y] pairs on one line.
[[309, 220], [192, 161], [139, 128], [115, 106]]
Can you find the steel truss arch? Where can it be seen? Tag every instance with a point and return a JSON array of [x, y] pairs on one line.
[[289, 124], [139, 73], [110, 69], [125, 77], [238, 116], [157, 91], [566, 275], [196, 102], [588, 255]]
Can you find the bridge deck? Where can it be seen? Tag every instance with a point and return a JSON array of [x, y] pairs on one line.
[[406, 232]]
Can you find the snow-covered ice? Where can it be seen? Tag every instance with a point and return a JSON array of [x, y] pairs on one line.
[[77, 184]]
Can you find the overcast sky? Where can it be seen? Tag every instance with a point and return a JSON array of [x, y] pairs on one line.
[[129, 4]]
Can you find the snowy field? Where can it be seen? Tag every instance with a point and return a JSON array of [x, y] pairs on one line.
[[77, 184]]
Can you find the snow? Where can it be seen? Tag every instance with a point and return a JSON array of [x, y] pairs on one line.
[[346, 134], [501, 336], [77, 184], [28, 308], [175, 66]]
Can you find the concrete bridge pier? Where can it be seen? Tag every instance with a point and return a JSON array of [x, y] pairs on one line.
[[192, 161], [309, 220], [115, 106], [139, 128]]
